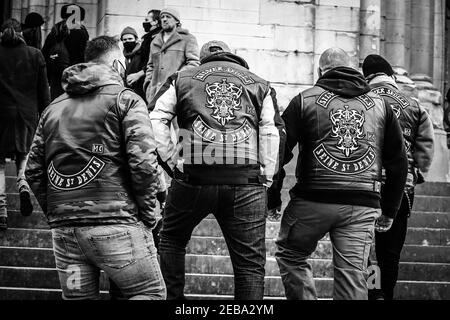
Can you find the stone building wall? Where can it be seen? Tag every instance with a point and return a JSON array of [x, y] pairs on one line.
[[283, 39]]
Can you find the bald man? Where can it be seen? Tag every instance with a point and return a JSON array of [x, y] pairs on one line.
[[345, 134]]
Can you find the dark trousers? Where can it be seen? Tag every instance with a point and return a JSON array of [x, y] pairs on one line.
[[388, 247], [241, 214]]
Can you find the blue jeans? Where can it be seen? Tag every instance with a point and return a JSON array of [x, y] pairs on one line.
[[126, 253], [240, 211], [351, 230]]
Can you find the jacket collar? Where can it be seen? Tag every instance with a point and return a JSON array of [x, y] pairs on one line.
[[382, 78], [226, 56], [176, 37]]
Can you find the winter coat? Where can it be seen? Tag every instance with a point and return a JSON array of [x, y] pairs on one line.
[[134, 65], [24, 94], [180, 52], [93, 159], [75, 42]]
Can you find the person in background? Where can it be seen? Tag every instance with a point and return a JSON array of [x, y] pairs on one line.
[[133, 60], [31, 29], [172, 50], [152, 27], [93, 170], [345, 134], [418, 135], [64, 47], [24, 95]]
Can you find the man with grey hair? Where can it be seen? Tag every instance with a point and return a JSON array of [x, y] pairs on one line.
[[345, 135]]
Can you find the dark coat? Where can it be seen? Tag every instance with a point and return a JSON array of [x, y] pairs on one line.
[[75, 42], [138, 60], [24, 94], [134, 65]]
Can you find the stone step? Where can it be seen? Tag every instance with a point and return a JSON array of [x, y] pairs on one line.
[[32, 294], [433, 189], [216, 245], [431, 220], [195, 283], [206, 284], [432, 204], [204, 264]]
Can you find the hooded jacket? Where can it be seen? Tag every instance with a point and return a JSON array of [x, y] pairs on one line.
[[93, 160], [416, 126], [345, 135], [180, 52]]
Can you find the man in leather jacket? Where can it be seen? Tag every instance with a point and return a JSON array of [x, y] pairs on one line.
[[93, 168], [228, 147], [345, 134], [418, 135]]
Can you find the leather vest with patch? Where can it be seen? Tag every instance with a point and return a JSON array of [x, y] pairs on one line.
[[341, 144], [408, 114], [84, 155], [219, 107]]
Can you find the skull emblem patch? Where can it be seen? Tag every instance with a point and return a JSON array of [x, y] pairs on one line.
[[348, 129], [224, 98]]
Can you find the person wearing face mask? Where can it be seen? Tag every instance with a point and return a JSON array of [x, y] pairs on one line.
[[152, 27], [133, 59], [93, 168]]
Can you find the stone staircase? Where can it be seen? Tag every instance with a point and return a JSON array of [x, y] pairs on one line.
[[27, 267]]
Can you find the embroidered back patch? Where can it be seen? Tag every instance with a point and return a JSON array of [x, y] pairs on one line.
[[76, 181]]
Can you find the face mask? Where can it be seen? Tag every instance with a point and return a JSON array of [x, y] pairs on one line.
[[129, 46], [147, 26]]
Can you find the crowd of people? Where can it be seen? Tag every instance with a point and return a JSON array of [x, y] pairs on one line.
[[94, 127]]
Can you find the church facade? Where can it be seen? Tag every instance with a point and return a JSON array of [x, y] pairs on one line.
[[282, 40]]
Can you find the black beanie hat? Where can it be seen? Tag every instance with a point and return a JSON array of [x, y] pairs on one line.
[[376, 64], [33, 20], [65, 15]]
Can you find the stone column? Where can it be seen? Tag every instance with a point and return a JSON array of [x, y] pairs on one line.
[[408, 16], [422, 69], [395, 32], [438, 61], [337, 25], [370, 22], [422, 31]]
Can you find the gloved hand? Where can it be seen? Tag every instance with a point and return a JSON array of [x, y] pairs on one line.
[[383, 224]]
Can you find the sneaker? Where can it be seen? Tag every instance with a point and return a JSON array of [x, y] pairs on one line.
[[3, 224], [26, 207]]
